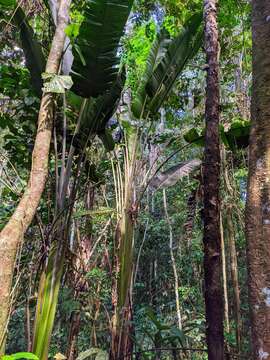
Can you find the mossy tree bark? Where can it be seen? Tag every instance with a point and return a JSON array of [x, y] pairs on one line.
[[258, 198], [211, 179], [12, 234]]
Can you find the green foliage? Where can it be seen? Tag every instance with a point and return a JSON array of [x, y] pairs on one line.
[[46, 304], [181, 50], [156, 53], [7, 3], [34, 57], [96, 113], [136, 51], [164, 334], [165, 62], [236, 137], [98, 42], [20, 355]]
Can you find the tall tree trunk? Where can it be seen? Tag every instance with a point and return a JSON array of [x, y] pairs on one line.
[[224, 278], [174, 266], [258, 199], [234, 275], [12, 234], [211, 175], [73, 335]]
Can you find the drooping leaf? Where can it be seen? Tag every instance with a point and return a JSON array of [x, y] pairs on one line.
[[98, 42], [175, 173], [193, 136], [157, 51], [35, 60], [238, 134], [97, 113], [181, 50], [107, 139], [236, 137]]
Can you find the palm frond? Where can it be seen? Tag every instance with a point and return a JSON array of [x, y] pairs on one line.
[[95, 65], [96, 114], [181, 50], [157, 51], [34, 58], [171, 176]]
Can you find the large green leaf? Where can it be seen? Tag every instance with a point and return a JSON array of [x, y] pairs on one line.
[[34, 58], [238, 134], [95, 65], [236, 137], [158, 49], [181, 50], [97, 113], [20, 355]]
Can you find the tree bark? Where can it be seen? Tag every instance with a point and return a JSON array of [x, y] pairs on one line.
[[224, 278], [174, 265], [211, 175], [258, 198], [234, 275], [12, 234]]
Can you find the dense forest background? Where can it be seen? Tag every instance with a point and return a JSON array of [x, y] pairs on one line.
[[106, 118]]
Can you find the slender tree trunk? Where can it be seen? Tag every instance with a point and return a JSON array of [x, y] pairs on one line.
[[211, 175], [73, 335], [191, 214], [232, 249], [258, 198], [176, 280], [224, 278], [12, 234], [234, 275]]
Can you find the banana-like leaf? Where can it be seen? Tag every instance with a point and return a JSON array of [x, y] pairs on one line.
[[97, 113], [95, 65], [107, 139], [157, 51], [171, 176], [181, 50], [34, 58], [236, 137]]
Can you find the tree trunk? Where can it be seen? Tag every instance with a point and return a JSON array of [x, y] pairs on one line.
[[211, 174], [234, 275], [73, 335], [12, 234], [258, 198], [224, 278], [174, 265]]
